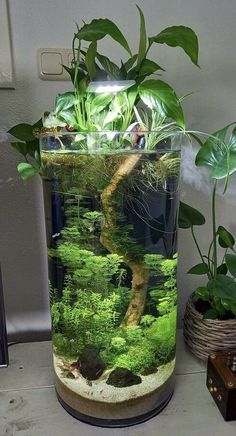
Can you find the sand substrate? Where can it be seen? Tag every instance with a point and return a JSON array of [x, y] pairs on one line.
[[98, 390]]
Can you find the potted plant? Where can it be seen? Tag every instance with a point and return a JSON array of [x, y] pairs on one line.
[[210, 317], [110, 167]]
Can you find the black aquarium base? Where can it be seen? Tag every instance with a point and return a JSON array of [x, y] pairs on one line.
[[113, 423]]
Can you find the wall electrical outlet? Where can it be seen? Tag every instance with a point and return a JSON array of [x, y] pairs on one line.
[[50, 61]]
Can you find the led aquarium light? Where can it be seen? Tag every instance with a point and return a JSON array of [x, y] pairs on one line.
[[109, 86]]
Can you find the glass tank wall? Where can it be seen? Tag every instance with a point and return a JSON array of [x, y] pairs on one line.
[[111, 203]]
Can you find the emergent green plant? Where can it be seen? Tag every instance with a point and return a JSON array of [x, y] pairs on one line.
[[82, 111]]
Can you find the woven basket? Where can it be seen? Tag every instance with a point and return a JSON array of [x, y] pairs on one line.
[[204, 336]]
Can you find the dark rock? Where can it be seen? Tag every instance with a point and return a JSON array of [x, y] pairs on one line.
[[90, 363], [150, 370], [70, 375], [123, 377]]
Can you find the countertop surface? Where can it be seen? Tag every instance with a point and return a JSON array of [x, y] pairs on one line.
[[29, 407]]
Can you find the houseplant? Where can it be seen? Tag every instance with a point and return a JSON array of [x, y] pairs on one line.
[[110, 170], [210, 317]]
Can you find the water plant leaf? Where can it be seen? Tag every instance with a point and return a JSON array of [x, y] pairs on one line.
[[226, 239], [26, 171], [100, 102], [132, 93], [231, 263], [110, 67], [99, 28], [223, 287], [199, 269], [159, 96], [69, 117], [23, 132], [64, 101], [179, 36], [111, 116], [188, 216], [149, 67], [130, 62], [90, 59], [142, 38], [219, 154], [71, 72]]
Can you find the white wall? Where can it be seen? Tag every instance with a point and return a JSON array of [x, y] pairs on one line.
[[50, 23]]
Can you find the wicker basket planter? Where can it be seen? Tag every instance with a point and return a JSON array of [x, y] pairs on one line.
[[206, 336]]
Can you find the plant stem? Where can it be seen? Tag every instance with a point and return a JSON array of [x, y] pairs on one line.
[[199, 251], [214, 229]]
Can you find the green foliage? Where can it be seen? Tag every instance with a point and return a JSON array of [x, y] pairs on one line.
[[218, 154], [162, 332], [138, 358], [179, 36], [160, 97], [165, 294], [189, 216], [84, 111], [94, 317]]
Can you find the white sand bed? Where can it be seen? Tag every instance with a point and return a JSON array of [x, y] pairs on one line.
[[98, 390]]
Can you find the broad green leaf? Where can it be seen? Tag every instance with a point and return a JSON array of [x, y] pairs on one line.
[[71, 72], [90, 59], [179, 36], [99, 28], [26, 171], [223, 287], [219, 154], [123, 71], [148, 67], [64, 101], [200, 269], [110, 67], [231, 263], [210, 314], [23, 132], [159, 96], [111, 116], [100, 102], [203, 293], [130, 62], [229, 305], [69, 117], [38, 124], [32, 147], [188, 216], [25, 148], [132, 95], [142, 38], [21, 147], [222, 269], [226, 240]]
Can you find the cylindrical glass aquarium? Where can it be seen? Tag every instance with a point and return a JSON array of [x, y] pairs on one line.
[[111, 203]]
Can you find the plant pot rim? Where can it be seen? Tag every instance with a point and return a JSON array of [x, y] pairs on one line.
[[208, 322]]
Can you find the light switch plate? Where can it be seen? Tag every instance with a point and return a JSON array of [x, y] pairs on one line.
[[50, 61]]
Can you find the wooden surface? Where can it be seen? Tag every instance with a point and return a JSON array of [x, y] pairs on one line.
[[28, 405]]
